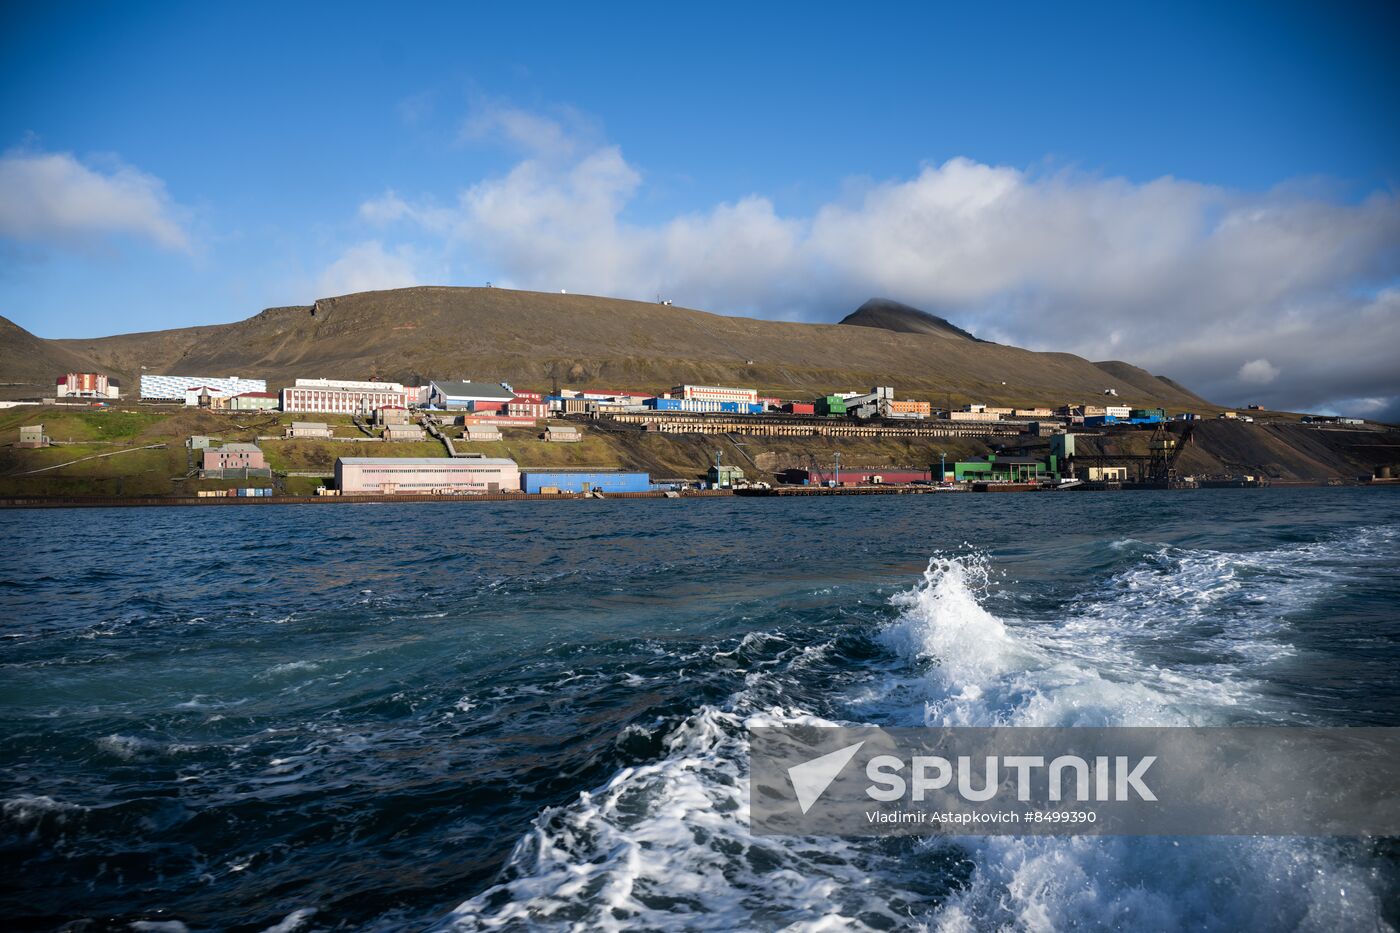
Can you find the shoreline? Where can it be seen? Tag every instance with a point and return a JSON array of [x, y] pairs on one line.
[[777, 492]]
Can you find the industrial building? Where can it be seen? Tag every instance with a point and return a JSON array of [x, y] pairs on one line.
[[86, 385], [425, 475], [318, 429], [469, 396], [345, 397], [722, 475], [583, 481], [995, 468], [879, 402], [172, 388], [700, 405]]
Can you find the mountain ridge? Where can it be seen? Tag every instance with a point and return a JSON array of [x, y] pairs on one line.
[[533, 339]]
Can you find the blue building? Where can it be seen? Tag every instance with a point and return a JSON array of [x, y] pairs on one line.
[[532, 481]]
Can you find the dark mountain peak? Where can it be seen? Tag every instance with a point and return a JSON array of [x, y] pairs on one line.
[[901, 318]]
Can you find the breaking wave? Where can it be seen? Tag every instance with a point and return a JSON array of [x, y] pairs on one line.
[[1177, 637]]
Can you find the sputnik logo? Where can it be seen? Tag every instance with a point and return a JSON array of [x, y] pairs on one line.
[[811, 778]]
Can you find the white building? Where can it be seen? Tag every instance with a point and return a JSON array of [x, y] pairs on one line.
[[172, 388], [716, 394], [346, 397]]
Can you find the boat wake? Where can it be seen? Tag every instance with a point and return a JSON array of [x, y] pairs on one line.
[[665, 845]]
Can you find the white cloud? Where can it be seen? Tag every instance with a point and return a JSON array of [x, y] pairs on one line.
[[1184, 278], [1258, 372], [52, 197], [368, 266]]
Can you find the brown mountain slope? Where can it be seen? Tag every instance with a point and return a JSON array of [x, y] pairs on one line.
[[901, 318], [27, 361], [531, 338]]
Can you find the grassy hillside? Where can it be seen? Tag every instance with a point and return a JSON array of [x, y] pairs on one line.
[[531, 339]]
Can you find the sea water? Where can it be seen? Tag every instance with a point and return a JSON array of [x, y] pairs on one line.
[[533, 715]]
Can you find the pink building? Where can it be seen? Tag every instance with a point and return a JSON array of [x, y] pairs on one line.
[[424, 475], [234, 457]]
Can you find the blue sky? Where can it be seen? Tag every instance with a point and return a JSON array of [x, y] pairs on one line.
[[1112, 179]]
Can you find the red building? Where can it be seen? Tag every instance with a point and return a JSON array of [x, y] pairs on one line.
[[522, 406], [799, 408]]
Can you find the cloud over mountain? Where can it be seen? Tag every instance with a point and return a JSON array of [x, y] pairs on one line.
[[1243, 295]]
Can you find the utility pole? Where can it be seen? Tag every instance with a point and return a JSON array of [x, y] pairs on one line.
[[942, 466], [836, 480]]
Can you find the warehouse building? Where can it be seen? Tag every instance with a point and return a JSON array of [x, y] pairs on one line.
[[583, 481], [469, 396], [172, 388], [425, 475]]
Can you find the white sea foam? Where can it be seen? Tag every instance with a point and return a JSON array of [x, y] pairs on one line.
[[980, 671], [28, 809], [132, 748], [293, 921], [665, 845]]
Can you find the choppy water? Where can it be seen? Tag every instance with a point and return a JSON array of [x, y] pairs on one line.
[[521, 715]]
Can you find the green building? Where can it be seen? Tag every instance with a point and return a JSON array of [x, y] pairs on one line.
[[721, 476], [831, 405], [1002, 469]]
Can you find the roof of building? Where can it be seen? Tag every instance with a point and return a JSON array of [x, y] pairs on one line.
[[257, 395], [424, 461], [241, 447], [562, 428], [473, 390], [310, 425]]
